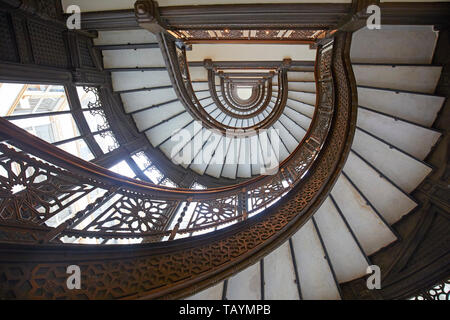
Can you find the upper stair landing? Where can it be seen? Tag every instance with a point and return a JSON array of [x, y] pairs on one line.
[[394, 45]]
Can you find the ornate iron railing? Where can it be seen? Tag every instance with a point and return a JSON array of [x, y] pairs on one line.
[[38, 182], [128, 210]]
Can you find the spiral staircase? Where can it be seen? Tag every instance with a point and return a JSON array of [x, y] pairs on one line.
[[397, 108], [314, 154]]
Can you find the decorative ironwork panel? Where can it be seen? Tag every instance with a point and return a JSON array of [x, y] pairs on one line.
[[32, 191], [212, 212], [134, 214], [85, 53], [48, 45], [8, 49], [438, 292]]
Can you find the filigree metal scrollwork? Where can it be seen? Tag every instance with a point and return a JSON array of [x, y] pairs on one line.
[[214, 211], [440, 291], [96, 109], [32, 191], [134, 215]]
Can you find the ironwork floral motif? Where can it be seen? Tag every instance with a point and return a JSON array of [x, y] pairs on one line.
[[134, 215], [440, 291]]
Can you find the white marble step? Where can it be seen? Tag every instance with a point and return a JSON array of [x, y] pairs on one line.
[[215, 167], [172, 146], [370, 230], [300, 76], [201, 86], [389, 200], [166, 130], [314, 272], [414, 107], [299, 118], [115, 37], [256, 155], [155, 115], [199, 74], [405, 171], [203, 158], [138, 58], [297, 131], [246, 285], [413, 139], [346, 257], [285, 136], [301, 107], [420, 79], [302, 86], [137, 100], [194, 147], [394, 44], [308, 98], [139, 79], [279, 275]]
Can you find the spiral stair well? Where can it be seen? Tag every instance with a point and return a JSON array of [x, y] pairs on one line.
[[224, 152]]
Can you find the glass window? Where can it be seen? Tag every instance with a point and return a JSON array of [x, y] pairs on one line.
[[154, 174], [168, 183], [44, 111], [142, 161], [106, 141], [52, 129], [198, 186], [123, 168]]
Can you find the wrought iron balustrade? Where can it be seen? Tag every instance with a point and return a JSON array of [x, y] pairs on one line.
[[63, 199]]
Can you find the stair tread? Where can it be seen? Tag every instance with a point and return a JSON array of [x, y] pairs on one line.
[[420, 79], [138, 79], [414, 107], [412, 139], [133, 58], [279, 275], [346, 258], [406, 171], [387, 198], [316, 279], [394, 44], [117, 37]]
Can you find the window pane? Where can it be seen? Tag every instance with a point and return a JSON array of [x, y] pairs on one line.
[[50, 128], [78, 148], [96, 120], [44, 111], [154, 175], [123, 168], [106, 141], [88, 97], [142, 161], [169, 183], [22, 99]]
